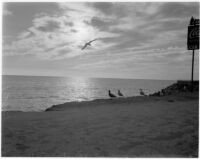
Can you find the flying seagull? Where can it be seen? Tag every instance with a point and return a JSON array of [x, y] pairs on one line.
[[88, 43]]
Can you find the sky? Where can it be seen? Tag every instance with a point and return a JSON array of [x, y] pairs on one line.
[[139, 40]]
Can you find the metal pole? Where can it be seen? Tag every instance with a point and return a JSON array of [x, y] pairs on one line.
[[192, 70]]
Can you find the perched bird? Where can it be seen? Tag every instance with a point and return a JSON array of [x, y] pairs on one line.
[[119, 93], [88, 44], [142, 92], [111, 95]]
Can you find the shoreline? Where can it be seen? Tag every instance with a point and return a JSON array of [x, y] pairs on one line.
[[149, 126], [171, 89], [118, 100], [134, 99], [180, 89]]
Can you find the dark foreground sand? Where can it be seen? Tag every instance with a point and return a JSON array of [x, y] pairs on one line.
[[132, 127]]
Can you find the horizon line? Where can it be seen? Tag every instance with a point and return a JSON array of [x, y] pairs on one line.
[[96, 77]]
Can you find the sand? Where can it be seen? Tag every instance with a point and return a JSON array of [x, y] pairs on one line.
[[126, 127]]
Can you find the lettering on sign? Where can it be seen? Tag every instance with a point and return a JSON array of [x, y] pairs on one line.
[[193, 34]]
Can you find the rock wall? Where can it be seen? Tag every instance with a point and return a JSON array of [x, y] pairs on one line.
[[180, 86]]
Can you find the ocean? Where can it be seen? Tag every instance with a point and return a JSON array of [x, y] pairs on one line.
[[36, 93]]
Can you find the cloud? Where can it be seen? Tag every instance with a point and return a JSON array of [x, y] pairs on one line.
[[5, 10], [180, 10], [121, 10], [127, 31], [51, 23], [50, 26], [135, 59], [104, 7], [103, 24], [48, 33]]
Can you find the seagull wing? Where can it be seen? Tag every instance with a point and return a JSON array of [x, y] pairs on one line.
[[88, 43], [84, 46], [92, 41]]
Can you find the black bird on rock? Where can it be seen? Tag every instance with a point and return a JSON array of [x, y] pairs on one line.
[[88, 44], [142, 92], [120, 94], [111, 94]]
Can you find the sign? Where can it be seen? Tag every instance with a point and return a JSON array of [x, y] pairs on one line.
[[193, 34], [193, 37]]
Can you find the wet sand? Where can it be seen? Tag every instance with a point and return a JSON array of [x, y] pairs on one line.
[[125, 127]]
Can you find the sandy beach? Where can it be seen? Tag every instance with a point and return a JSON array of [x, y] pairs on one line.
[[124, 127]]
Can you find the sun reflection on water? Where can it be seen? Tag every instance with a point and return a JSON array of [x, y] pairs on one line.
[[80, 88], [24, 93]]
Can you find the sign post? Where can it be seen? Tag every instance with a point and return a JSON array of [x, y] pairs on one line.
[[193, 41], [192, 70]]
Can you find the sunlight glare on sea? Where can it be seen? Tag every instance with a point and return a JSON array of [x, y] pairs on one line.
[[36, 93], [80, 87]]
